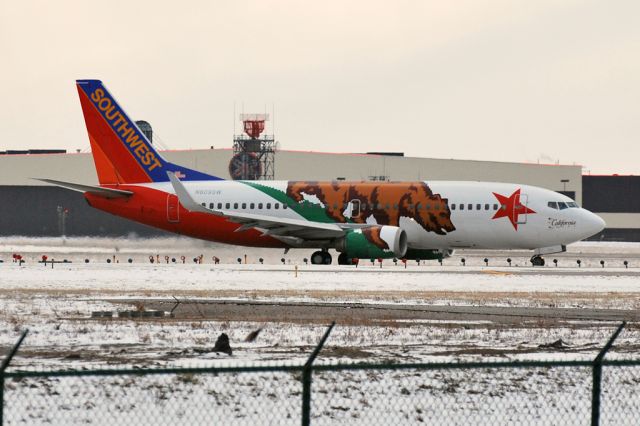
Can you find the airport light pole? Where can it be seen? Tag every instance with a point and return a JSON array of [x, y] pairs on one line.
[[62, 220]]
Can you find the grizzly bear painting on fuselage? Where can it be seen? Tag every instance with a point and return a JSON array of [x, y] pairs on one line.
[[386, 202]]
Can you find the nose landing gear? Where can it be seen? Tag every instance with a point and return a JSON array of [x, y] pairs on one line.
[[321, 257], [537, 260]]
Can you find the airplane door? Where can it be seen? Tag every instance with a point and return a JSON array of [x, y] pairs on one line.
[[355, 208], [173, 208], [520, 209]]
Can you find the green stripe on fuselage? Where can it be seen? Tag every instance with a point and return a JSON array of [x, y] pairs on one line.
[[311, 211]]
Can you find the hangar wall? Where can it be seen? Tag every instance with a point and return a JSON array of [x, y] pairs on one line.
[[617, 200], [29, 207], [19, 169], [33, 211]]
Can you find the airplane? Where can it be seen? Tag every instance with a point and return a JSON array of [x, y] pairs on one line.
[[418, 220]]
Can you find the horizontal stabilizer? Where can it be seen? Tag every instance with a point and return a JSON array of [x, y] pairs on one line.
[[95, 190]]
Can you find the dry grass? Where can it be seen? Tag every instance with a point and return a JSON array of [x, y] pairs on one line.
[[545, 298]]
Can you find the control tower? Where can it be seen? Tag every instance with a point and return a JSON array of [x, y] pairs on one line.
[[253, 154]]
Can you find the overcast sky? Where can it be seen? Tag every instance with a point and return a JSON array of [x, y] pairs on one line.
[[526, 81]]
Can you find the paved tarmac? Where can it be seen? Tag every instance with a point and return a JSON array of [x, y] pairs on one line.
[[357, 313]]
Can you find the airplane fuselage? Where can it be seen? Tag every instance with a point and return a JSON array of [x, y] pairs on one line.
[[434, 215]]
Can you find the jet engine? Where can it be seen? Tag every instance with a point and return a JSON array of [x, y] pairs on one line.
[[374, 242]]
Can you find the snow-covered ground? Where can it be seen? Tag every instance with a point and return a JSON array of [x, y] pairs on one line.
[[456, 397], [77, 249], [161, 278], [55, 304]]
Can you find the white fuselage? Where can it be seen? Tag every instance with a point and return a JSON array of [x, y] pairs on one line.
[[485, 214]]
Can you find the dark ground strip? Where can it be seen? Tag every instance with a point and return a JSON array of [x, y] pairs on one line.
[[263, 311]]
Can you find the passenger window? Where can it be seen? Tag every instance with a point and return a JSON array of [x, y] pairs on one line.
[[453, 206], [387, 206], [284, 206], [495, 207], [436, 207], [461, 206], [395, 206], [410, 206], [470, 206], [562, 205], [478, 207], [252, 206], [227, 205], [553, 205], [269, 205], [428, 207], [235, 205], [244, 205], [418, 206], [204, 205], [486, 206], [335, 206], [260, 205], [219, 206], [276, 206]]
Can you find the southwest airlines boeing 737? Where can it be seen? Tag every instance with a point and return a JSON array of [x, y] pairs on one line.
[[368, 220]]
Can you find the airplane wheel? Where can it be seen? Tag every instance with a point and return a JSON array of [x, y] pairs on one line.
[[537, 261], [318, 258], [327, 258], [343, 259]]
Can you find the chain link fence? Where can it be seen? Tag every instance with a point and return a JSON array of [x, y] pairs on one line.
[[460, 396], [482, 393], [168, 397]]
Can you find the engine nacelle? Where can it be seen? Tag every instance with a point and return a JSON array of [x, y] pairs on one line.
[[374, 242]]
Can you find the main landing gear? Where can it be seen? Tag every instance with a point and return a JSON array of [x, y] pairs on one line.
[[321, 257], [343, 259], [537, 260]]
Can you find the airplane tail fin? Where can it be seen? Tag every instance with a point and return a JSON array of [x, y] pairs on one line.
[[121, 152]]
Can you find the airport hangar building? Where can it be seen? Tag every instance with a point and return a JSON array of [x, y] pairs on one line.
[[33, 208]]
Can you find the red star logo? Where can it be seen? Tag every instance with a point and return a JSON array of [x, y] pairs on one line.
[[511, 207]]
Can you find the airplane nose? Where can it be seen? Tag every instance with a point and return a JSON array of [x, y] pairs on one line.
[[594, 223]]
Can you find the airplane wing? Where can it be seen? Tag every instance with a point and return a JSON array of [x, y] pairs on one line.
[[95, 190], [294, 231]]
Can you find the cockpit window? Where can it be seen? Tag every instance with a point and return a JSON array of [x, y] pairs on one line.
[[561, 205]]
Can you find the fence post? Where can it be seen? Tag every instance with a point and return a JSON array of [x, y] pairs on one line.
[[306, 378], [3, 366], [597, 377]]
